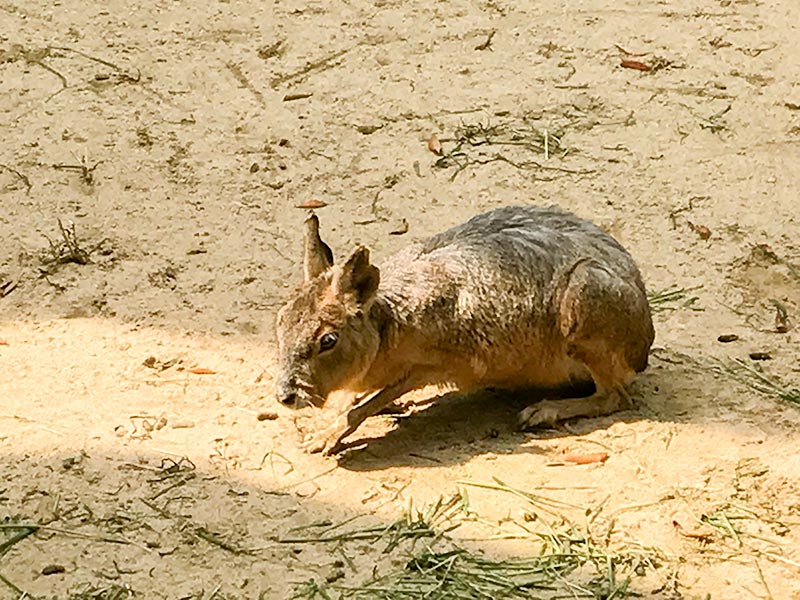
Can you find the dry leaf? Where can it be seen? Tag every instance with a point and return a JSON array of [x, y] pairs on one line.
[[586, 459], [695, 535], [633, 64], [311, 204], [434, 145], [201, 371], [703, 231]]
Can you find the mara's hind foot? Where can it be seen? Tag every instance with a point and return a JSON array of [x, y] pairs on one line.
[[548, 413], [611, 375]]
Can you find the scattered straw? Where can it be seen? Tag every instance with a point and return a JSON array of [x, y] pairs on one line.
[[745, 373], [673, 298], [412, 526], [568, 560], [539, 501], [105, 591], [754, 377], [479, 144]]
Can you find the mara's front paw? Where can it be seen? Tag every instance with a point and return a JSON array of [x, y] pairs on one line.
[[327, 441]]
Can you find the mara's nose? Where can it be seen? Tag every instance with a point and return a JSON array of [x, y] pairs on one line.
[[288, 398]]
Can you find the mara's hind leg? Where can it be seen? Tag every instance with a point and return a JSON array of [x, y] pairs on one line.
[[611, 376], [606, 324]]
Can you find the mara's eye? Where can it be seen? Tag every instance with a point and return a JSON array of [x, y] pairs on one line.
[[328, 341]]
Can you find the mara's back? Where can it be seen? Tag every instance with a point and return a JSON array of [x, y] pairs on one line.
[[530, 242], [484, 288]]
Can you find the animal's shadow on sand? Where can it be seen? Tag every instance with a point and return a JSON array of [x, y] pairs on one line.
[[453, 427]]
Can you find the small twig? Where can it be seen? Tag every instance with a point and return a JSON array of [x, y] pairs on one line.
[[307, 479], [272, 50], [46, 67], [487, 45], [8, 286], [101, 61], [298, 96], [625, 52], [316, 65], [87, 172], [26, 531], [22, 595], [182, 481], [211, 538], [546, 146], [67, 532], [713, 122], [197, 530], [240, 76], [23, 178], [531, 164], [763, 581], [271, 454], [68, 251]]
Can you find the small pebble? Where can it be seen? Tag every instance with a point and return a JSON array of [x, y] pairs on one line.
[[367, 129], [334, 575], [70, 462], [727, 337], [53, 570], [760, 356]]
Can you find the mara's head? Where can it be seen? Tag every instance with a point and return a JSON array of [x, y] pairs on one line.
[[326, 340]]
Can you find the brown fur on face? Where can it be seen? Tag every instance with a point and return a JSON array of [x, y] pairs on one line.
[[333, 300]]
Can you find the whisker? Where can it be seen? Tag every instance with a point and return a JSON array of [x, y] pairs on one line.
[[311, 398]]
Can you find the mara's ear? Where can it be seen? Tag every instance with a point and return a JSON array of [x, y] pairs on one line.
[[318, 256], [358, 278]]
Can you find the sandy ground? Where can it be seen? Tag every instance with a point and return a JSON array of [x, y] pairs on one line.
[[178, 138]]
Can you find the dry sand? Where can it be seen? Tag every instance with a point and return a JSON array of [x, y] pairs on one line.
[[178, 138]]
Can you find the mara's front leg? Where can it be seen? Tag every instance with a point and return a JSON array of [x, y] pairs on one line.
[[329, 440]]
